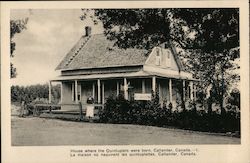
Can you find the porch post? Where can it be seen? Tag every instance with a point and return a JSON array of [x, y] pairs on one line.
[[170, 91], [154, 83], [143, 86], [194, 91], [103, 95], [184, 91], [49, 92], [61, 92], [191, 90], [160, 94], [159, 89], [72, 91], [125, 89], [98, 91], [93, 89], [76, 98], [117, 88]]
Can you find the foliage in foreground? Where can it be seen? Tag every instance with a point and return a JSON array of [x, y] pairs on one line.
[[119, 110]]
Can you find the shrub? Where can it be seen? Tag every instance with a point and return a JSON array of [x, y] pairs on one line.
[[119, 110]]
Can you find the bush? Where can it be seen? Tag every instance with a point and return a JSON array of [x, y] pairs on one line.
[[119, 110], [115, 110]]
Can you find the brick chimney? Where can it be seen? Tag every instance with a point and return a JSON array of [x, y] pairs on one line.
[[87, 31]]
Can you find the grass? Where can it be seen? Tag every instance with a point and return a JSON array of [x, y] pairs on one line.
[[34, 131]]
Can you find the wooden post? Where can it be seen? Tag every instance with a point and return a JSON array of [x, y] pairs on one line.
[[72, 91], [35, 111], [194, 91], [143, 86], [61, 92], [93, 89], [103, 94], [80, 111], [191, 90], [98, 91], [154, 84], [117, 88], [76, 98], [49, 92], [160, 94], [22, 109], [159, 88], [125, 89], [184, 90], [170, 91]]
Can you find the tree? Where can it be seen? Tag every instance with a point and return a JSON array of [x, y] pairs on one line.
[[16, 26], [210, 37], [234, 98], [33, 92], [213, 48]]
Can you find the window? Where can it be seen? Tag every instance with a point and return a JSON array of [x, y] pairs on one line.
[[158, 57], [157, 52], [168, 58]]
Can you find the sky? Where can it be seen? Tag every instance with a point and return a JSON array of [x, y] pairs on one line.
[[50, 34]]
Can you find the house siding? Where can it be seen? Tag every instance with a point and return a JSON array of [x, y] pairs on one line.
[[66, 92], [163, 55]]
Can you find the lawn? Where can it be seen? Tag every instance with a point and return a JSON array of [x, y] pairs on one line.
[[34, 131]]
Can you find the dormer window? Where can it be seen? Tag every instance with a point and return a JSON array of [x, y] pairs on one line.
[[158, 57]]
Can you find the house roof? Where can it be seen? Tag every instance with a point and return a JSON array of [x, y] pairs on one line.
[[97, 51]]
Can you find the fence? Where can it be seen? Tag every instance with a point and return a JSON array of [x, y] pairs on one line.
[[78, 109]]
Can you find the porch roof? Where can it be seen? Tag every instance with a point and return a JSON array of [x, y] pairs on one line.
[[139, 74]]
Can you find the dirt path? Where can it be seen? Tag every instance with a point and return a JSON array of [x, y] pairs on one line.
[[38, 132]]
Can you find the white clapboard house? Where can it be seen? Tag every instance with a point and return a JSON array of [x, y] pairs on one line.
[[95, 68]]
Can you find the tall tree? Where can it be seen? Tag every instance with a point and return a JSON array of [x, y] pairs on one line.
[[16, 26], [210, 37], [213, 47]]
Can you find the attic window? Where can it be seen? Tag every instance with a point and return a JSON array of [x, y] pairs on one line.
[[168, 58], [158, 57], [157, 52], [166, 45]]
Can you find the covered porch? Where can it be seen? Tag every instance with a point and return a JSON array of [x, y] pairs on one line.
[[133, 86]]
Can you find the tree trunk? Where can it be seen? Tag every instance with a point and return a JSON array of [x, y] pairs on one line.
[[223, 111], [209, 103]]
